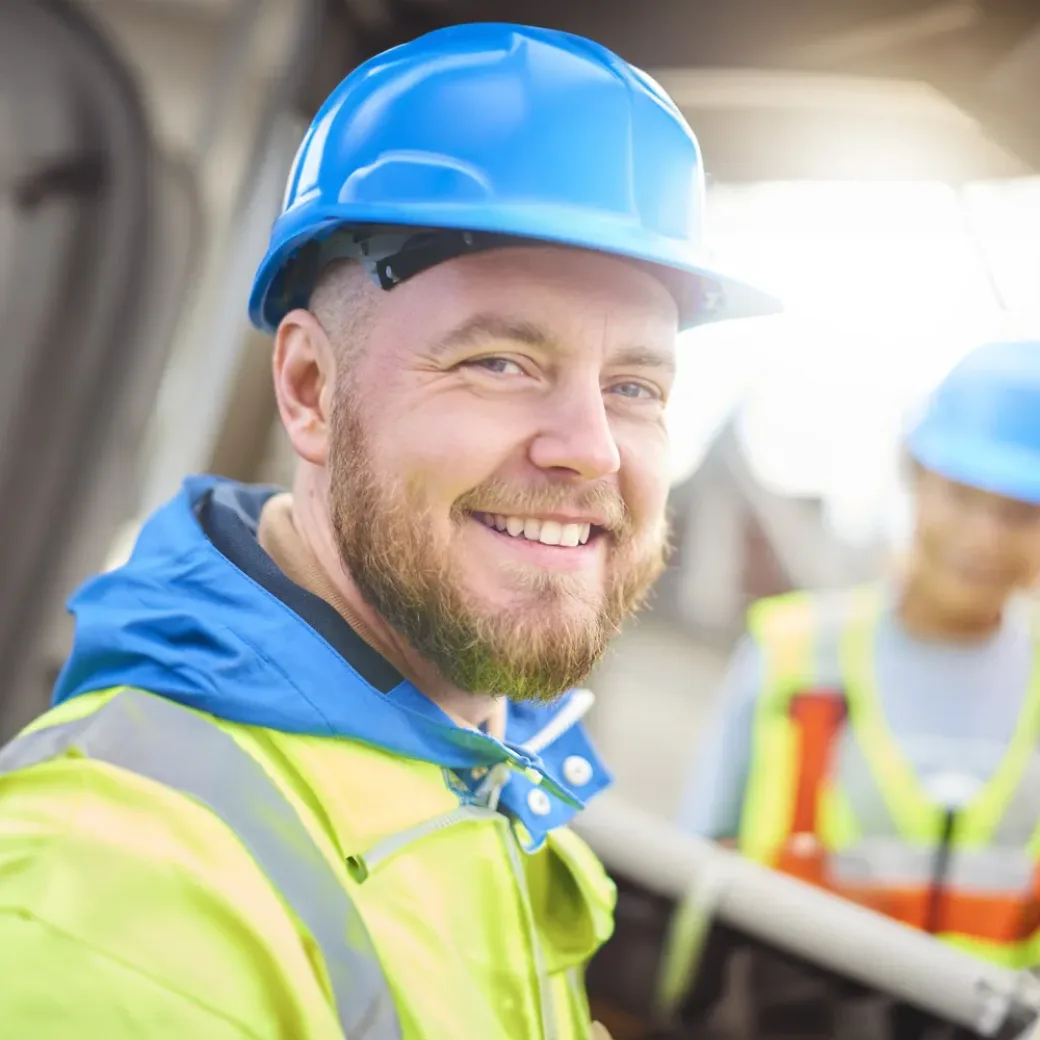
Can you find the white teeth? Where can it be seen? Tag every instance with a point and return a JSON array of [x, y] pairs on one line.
[[570, 534], [550, 532]]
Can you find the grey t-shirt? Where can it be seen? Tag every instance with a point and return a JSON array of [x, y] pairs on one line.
[[952, 707]]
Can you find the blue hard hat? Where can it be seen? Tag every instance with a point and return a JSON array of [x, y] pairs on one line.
[[476, 136], [982, 424]]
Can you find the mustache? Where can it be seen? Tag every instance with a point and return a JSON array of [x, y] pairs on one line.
[[601, 500]]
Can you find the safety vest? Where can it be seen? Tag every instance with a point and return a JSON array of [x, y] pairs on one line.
[[831, 799], [390, 908]]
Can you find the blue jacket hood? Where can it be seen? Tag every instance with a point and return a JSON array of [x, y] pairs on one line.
[[224, 631]]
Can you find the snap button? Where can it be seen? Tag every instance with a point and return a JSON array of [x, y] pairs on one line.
[[538, 802], [577, 771]]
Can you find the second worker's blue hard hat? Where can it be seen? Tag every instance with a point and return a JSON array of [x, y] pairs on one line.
[[982, 424], [482, 135]]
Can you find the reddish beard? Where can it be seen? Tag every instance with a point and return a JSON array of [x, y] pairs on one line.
[[386, 540]]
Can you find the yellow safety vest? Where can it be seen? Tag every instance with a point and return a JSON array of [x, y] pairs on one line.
[[164, 873], [832, 800]]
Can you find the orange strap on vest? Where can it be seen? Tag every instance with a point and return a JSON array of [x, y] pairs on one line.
[[818, 717]]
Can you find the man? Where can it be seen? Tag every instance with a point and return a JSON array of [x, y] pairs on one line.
[[312, 755], [882, 742]]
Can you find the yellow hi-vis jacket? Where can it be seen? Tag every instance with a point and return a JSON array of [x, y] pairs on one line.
[[166, 874], [291, 843]]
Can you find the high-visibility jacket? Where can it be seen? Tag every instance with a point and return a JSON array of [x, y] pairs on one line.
[[227, 881], [239, 821], [830, 798]]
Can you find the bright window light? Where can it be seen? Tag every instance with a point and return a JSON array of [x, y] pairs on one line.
[[886, 285]]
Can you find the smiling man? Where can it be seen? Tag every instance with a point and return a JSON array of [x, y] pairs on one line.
[[313, 752], [496, 482]]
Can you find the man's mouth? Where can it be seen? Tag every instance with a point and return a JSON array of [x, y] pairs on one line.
[[545, 531]]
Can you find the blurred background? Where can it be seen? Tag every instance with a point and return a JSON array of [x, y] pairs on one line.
[[873, 162]]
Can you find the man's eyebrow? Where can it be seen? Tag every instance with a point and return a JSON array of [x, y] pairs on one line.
[[484, 327], [644, 357]]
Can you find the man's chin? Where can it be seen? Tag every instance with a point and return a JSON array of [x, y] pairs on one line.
[[967, 598], [547, 617], [536, 654]]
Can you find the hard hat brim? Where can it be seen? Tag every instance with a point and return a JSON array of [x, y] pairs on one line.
[[703, 293], [1002, 469]]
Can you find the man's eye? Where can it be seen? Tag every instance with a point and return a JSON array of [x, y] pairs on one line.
[[498, 365], [636, 391]]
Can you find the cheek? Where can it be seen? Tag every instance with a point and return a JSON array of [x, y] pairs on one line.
[[1027, 560], [644, 475], [928, 538], [936, 527], [443, 448]]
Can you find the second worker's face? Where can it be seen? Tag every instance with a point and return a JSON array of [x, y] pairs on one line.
[[973, 547]]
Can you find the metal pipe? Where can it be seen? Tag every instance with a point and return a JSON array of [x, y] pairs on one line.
[[812, 924]]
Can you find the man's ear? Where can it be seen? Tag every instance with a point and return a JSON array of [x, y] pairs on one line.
[[304, 369]]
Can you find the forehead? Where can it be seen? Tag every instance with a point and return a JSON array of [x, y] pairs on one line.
[[940, 490], [567, 299]]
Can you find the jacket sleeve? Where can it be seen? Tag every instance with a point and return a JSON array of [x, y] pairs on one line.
[[129, 910], [713, 798]]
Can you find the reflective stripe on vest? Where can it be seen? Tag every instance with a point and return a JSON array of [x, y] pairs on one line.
[[173, 746], [847, 809]]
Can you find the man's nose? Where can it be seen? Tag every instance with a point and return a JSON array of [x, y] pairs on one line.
[[576, 436]]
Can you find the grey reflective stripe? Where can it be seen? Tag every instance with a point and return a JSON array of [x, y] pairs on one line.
[[884, 862], [993, 870], [834, 612], [363, 863], [164, 742], [1022, 814], [857, 781], [894, 864], [830, 613]]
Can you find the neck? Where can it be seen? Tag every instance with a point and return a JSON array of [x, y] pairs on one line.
[[311, 520], [924, 614]]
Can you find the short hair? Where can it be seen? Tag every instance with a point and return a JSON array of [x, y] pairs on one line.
[[344, 301]]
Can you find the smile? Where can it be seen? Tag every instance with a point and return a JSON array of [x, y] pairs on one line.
[[534, 529]]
